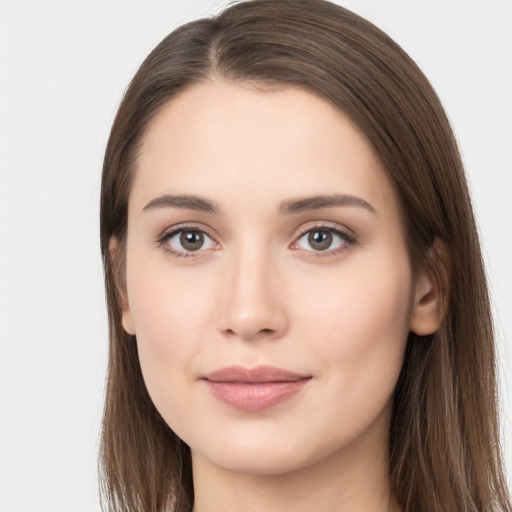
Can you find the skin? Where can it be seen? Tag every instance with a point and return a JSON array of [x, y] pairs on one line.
[[259, 293]]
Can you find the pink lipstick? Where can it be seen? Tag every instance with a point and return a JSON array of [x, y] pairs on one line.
[[254, 389]]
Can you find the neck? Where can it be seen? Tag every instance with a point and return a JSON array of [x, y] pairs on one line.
[[353, 479]]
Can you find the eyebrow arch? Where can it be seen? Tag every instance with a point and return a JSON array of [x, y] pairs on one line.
[[187, 202], [324, 201]]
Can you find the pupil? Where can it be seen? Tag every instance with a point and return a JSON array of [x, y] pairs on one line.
[[191, 240], [320, 240]]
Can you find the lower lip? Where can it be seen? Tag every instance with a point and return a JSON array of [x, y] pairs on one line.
[[255, 396]]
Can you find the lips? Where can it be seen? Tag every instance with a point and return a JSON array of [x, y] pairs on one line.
[[254, 389]]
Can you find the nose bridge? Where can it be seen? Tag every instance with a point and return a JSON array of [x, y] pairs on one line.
[[252, 304]]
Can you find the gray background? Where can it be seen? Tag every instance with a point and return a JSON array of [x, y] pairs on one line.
[[63, 68]]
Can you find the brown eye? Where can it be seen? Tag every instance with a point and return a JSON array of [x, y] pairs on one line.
[[320, 240], [323, 239], [191, 240], [185, 241]]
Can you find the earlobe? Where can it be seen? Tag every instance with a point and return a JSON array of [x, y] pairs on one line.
[[127, 321], [431, 294], [118, 268]]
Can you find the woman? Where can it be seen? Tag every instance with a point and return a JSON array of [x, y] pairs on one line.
[[299, 317]]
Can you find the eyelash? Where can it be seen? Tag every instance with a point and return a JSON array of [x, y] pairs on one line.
[[167, 235], [347, 238]]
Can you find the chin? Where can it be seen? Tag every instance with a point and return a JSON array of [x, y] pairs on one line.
[[263, 454], [259, 462]]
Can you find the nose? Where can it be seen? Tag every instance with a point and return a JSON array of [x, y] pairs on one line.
[[252, 302]]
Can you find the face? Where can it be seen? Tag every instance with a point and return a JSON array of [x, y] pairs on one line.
[[267, 278]]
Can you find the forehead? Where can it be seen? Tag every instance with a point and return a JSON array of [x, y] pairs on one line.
[[235, 140]]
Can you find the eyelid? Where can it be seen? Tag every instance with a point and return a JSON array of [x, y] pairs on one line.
[[171, 231], [192, 226], [345, 233], [328, 226]]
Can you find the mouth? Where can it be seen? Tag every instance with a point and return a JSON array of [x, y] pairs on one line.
[[254, 389]]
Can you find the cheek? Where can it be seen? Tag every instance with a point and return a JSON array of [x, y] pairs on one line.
[[166, 302], [359, 321], [355, 329], [170, 315]]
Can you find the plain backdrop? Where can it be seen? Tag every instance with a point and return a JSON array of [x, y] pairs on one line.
[[63, 68]]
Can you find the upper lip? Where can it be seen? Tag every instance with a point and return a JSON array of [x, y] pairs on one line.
[[251, 375]]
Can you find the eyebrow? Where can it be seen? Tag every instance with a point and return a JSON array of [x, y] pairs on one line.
[[290, 207], [307, 204], [187, 202]]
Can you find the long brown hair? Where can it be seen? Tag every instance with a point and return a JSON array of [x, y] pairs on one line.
[[444, 451]]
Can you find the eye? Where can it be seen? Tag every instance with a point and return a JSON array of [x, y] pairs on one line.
[[187, 240], [323, 239]]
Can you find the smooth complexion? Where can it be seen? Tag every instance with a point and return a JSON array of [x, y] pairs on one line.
[[264, 236]]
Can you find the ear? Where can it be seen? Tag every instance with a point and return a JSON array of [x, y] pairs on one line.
[[431, 291], [118, 258]]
